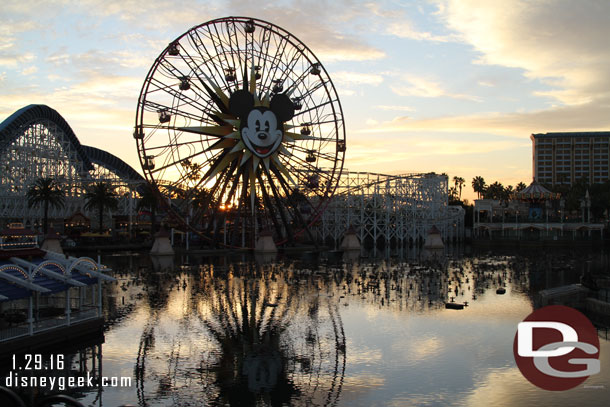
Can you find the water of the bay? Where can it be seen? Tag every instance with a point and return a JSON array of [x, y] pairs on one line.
[[326, 330]]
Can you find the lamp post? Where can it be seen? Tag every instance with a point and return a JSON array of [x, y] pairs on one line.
[[588, 206]]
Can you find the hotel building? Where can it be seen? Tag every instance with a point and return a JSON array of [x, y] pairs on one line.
[[564, 158]]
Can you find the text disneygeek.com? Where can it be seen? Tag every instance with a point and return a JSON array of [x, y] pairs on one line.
[[15, 380]]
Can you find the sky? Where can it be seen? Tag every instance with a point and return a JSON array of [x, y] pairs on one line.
[[454, 86]]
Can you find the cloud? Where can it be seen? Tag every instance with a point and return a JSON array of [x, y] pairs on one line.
[[408, 146], [13, 60], [563, 43], [319, 24], [427, 88], [29, 70], [58, 58], [325, 27], [404, 29], [419, 350], [487, 84], [593, 116], [10, 28], [356, 78], [396, 108]]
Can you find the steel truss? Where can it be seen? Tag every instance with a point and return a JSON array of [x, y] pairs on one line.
[[35, 143], [398, 210]]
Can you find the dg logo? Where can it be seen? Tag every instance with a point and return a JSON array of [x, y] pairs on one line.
[[556, 348]]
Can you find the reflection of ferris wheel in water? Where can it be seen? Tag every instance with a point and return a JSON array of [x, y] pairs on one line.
[[239, 124], [248, 336]]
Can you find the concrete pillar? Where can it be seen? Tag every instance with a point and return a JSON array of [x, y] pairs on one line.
[[350, 240], [162, 245], [434, 240], [265, 243], [51, 242]]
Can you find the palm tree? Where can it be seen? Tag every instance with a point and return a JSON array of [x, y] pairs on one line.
[[508, 193], [459, 183], [478, 185], [101, 195], [150, 201], [48, 192], [495, 191], [520, 187], [453, 195]]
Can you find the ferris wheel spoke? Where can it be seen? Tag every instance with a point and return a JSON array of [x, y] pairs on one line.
[[310, 91], [223, 52], [179, 95], [234, 187], [264, 46], [305, 165], [211, 193], [269, 207], [280, 204], [314, 107], [311, 179], [194, 87], [297, 82], [172, 110], [173, 163], [201, 180], [232, 35], [224, 180], [318, 153], [290, 64], [295, 206], [165, 148], [205, 203], [199, 45], [206, 88], [274, 66], [169, 159]]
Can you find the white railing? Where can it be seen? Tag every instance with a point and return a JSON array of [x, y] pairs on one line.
[[46, 324], [14, 332]]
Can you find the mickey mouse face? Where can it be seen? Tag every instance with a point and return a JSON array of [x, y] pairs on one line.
[[261, 135], [262, 128]]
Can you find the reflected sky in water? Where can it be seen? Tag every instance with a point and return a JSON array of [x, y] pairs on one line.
[[322, 332]]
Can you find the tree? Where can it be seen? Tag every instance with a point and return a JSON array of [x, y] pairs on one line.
[[453, 195], [495, 191], [520, 187], [149, 200], [600, 199], [48, 192], [459, 183], [100, 196], [478, 185]]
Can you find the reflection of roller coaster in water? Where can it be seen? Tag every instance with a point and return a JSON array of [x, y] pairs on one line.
[[248, 335]]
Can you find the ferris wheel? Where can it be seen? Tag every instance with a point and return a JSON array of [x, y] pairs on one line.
[[240, 129]]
